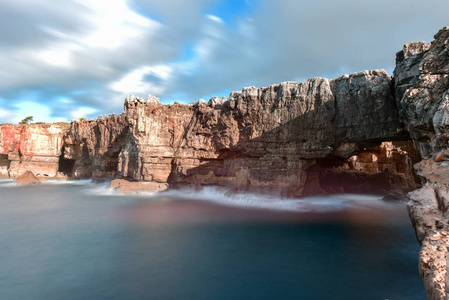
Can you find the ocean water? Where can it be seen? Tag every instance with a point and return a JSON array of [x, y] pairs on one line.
[[76, 240]]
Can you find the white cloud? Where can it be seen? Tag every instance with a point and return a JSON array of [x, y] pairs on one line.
[[215, 18], [114, 24], [135, 82], [39, 112], [97, 51], [56, 57], [5, 116], [83, 112]]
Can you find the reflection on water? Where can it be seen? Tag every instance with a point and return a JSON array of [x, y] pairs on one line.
[[77, 241]]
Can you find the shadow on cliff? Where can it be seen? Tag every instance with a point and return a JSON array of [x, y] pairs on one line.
[[93, 153], [299, 158]]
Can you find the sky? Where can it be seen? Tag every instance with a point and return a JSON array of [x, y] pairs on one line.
[[70, 59]]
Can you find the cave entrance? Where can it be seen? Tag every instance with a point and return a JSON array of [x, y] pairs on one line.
[[4, 164], [110, 159], [385, 169], [4, 161], [66, 166]]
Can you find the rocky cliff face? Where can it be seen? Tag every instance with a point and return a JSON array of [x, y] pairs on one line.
[[422, 85], [422, 96], [91, 147], [266, 139], [31, 147], [290, 139]]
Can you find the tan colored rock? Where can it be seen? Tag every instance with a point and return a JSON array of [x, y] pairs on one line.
[[27, 178], [93, 146], [422, 97], [125, 187], [427, 209]]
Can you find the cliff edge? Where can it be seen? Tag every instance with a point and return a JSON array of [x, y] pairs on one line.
[[422, 96]]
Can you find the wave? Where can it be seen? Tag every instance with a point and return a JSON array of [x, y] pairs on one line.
[[11, 182], [7, 182], [328, 203], [67, 182]]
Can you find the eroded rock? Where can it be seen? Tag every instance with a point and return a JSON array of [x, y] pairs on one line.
[[34, 147], [27, 178], [422, 96], [126, 187]]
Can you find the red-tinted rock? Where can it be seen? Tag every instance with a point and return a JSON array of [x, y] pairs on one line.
[[34, 147]]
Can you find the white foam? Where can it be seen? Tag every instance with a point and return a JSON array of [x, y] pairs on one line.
[[326, 203], [67, 182], [7, 182]]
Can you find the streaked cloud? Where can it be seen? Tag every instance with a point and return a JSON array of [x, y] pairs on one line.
[[214, 18], [80, 58]]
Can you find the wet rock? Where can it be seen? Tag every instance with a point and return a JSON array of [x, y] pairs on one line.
[[27, 178], [125, 187]]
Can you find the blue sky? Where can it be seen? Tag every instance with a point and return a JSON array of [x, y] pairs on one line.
[[80, 58]]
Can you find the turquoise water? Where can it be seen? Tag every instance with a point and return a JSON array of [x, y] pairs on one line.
[[77, 241]]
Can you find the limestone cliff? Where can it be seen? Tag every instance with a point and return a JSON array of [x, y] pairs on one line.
[[422, 96], [35, 147], [276, 139], [90, 147], [290, 139]]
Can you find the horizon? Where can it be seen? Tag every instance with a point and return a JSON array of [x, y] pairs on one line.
[[80, 59]]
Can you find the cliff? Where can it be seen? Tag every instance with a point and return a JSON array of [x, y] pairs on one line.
[[422, 84], [291, 139], [35, 147], [361, 132]]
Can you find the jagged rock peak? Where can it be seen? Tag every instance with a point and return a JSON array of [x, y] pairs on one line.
[[443, 32], [216, 101], [415, 48], [132, 100], [421, 84], [152, 100], [200, 103], [366, 73]]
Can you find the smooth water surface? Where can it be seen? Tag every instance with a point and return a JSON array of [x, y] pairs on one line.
[[77, 241]]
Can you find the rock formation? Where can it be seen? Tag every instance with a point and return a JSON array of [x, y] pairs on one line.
[[91, 147], [422, 96], [274, 139], [126, 187], [361, 132], [35, 147], [289, 139], [27, 178]]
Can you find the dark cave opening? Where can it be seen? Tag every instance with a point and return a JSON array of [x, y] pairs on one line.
[[385, 169], [4, 164], [111, 161], [4, 161], [66, 165]]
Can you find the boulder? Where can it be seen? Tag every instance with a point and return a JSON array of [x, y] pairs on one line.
[[125, 187], [27, 178]]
